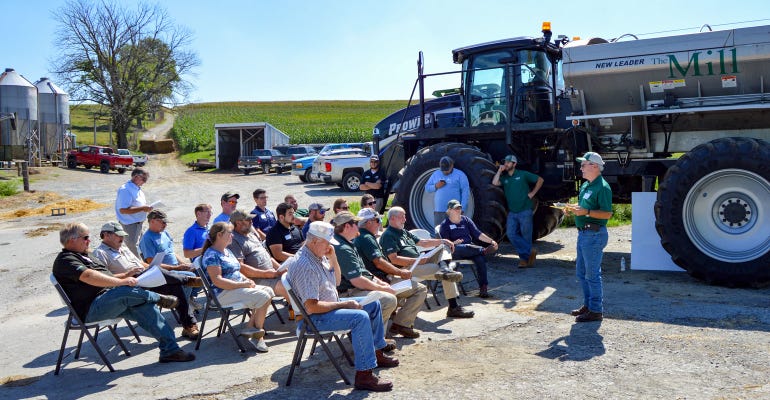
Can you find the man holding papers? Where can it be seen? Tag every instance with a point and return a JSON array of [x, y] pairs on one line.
[[314, 274], [400, 247], [379, 268], [97, 295], [123, 264]]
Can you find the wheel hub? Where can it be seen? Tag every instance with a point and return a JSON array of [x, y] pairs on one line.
[[734, 212]]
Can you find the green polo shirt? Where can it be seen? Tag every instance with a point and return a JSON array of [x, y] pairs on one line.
[[351, 264], [595, 195], [516, 188], [399, 241], [369, 250]]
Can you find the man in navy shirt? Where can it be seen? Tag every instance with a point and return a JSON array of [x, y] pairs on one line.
[[264, 219], [371, 181]]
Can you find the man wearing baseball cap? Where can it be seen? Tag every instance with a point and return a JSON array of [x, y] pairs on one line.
[[593, 209], [519, 187], [372, 181], [314, 274], [229, 202], [316, 212], [447, 183], [122, 263]]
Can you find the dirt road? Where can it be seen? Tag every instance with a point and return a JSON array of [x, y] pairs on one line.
[[664, 335]]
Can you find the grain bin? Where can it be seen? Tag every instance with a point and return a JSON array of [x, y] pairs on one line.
[[17, 95], [53, 118]]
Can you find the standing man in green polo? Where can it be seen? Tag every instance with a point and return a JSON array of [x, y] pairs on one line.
[[519, 187], [593, 209]]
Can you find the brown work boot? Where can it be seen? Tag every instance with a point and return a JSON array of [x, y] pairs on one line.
[[191, 332], [194, 282], [589, 316], [459, 312], [384, 361], [177, 356], [532, 257], [367, 380], [491, 249], [523, 263], [405, 331], [167, 301], [579, 311]]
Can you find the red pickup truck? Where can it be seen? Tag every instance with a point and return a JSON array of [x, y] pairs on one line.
[[99, 156]]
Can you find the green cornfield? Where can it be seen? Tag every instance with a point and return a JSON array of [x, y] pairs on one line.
[[303, 121]]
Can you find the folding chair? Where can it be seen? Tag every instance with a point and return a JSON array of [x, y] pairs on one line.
[[75, 323], [212, 304], [309, 330], [457, 264], [432, 285]]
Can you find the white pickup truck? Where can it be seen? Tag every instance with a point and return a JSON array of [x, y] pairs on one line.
[[139, 159], [345, 167]]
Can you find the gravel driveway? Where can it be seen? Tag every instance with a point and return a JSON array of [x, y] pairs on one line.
[[664, 335]]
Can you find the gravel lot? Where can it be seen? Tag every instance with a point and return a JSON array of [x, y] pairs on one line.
[[664, 336]]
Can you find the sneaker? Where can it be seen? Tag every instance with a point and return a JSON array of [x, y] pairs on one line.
[[194, 282], [532, 256], [523, 264], [167, 301], [459, 312], [448, 275], [259, 343], [589, 317], [191, 332], [177, 356], [491, 249], [405, 331], [253, 333]]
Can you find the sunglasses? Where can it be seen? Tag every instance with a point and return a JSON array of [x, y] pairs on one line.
[[371, 203], [346, 208], [322, 212], [232, 201]]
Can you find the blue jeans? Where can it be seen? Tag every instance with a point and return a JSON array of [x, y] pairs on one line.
[[590, 247], [473, 252], [366, 330], [519, 231], [137, 305]]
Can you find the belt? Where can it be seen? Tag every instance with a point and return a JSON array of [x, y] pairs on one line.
[[590, 227]]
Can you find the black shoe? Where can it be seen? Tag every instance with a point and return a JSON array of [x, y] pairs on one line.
[[589, 317], [177, 356], [459, 312], [167, 301]]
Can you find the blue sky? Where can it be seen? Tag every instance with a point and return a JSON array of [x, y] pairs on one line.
[[359, 50]]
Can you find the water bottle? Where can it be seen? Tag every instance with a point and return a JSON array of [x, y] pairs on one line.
[[622, 264]]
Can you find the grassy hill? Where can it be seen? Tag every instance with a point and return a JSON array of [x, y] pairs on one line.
[[83, 117], [303, 121]]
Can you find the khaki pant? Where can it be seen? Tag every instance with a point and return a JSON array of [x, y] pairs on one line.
[[427, 272], [411, 300]]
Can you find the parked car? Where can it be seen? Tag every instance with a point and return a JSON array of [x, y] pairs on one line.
[[99, 156], [303, 167], [264, 159], [139, 159], [297, 152], [343, 167]]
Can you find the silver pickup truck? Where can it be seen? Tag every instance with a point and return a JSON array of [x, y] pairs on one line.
[[345, 167]]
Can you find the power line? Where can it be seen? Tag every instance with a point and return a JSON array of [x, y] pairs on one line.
[[699, 27]]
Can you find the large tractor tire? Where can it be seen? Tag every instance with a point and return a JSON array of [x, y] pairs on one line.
[[713, 212], [545, 220], [486, 205]]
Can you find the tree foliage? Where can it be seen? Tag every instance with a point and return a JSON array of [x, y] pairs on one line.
[[131, 61]]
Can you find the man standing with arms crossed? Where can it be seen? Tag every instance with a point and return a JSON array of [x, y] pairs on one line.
[[371, 181], [131, 208], [593, 209], [516, 185]]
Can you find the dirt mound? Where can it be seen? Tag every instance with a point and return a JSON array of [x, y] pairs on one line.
[[27, 204]]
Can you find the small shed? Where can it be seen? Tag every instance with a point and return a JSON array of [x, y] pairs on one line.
[[235, 140]]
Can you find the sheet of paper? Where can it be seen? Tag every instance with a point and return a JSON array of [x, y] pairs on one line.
[[151, 278], [428, 255], [371, 297], [402, 286], [157, 260], [157, 204]]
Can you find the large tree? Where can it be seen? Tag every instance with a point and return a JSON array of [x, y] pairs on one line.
[[129, 60]]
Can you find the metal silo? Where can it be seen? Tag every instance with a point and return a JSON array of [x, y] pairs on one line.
[[17, 95], [53, 119]]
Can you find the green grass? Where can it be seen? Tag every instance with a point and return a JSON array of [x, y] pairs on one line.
[[82, 125], [190, 157], [9, 187], [621, 215], [303, 121]]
